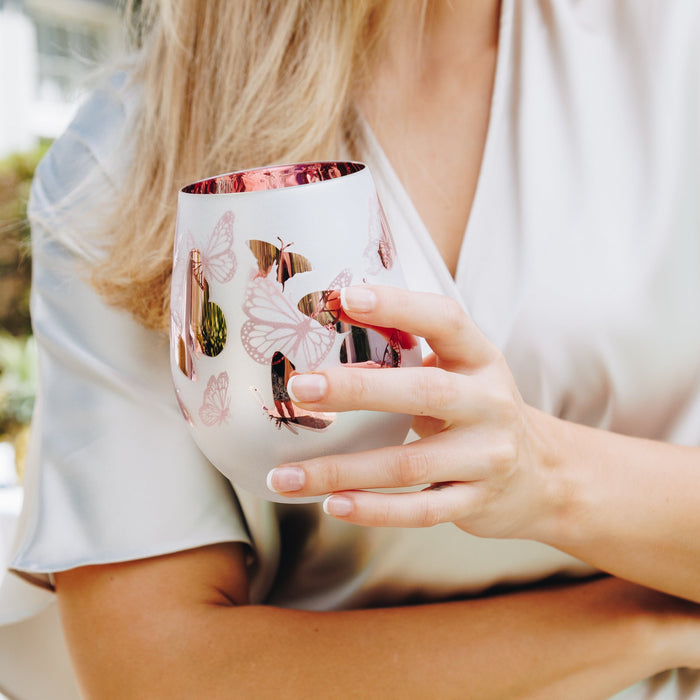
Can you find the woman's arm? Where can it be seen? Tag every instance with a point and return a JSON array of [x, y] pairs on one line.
[[178, 626], [632, 506], [498, 467]]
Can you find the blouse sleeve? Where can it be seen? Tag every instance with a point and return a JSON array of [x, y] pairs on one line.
[[112, 473]]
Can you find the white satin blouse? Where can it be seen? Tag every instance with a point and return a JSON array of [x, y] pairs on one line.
[[581, 260]]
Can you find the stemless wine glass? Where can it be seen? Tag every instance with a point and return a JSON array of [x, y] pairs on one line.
[[259, 259]]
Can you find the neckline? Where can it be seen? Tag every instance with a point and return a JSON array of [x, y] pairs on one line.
[[503, 52]]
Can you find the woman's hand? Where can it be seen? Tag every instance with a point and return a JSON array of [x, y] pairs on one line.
[[493, 465], [481, 459]]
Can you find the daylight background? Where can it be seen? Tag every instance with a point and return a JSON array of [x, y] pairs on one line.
[[49, 50]]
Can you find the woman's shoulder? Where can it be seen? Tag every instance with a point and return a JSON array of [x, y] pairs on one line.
[[79, 173]]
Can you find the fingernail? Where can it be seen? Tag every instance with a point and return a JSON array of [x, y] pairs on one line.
[[337, 505], [357, 299], [307, 387], [284, 479]]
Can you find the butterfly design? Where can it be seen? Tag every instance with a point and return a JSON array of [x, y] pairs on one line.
[[380, 250], [302, 419], [275, 324], [217, 260], [281, 369], [278, 421], [268, 255], [198, 326], [392, 351], [215, 406], [324, 306]]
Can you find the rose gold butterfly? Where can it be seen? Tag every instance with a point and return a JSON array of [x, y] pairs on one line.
[[392, 351], [324, 306], [286, 264], [380, 250], [308, 420]]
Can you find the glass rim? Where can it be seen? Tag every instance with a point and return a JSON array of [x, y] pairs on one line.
[[274, 177]]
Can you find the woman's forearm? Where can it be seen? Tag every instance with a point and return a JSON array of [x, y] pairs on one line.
[[554, 644], [626, 505], [148, 629]]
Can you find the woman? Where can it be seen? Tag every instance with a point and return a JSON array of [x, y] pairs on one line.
[[550, 151]]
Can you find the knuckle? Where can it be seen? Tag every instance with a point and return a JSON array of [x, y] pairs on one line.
[[505, 410], [438, 389], [428, 512], [451, 313], [498, 361], [501, 398], [504, 451], [411, 467], [331, 476]]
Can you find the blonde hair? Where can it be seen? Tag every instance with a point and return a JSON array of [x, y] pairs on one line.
[[227, 85]]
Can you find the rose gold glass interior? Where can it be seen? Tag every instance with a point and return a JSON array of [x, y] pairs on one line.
[[273, 178]]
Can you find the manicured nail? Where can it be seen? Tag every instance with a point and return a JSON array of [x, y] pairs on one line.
[[357, 299], [283, 479], [337, 505], [307, 387]]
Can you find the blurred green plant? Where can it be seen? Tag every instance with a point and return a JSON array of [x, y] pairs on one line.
[[18, 363], [16, 172], [18, 381]]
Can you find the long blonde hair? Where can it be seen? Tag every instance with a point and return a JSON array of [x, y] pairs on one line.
[[226, 85]]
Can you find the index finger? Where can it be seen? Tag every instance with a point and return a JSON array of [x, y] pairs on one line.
[[441, 320]]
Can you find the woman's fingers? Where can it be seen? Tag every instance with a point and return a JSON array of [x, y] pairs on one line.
[[438, 458], [412, 390], [440, 503], [439, 319], [466, 404]]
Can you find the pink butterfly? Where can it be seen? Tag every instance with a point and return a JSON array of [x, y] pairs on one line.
[[215, 407], [380, 250], [275, 325], [218, 261]]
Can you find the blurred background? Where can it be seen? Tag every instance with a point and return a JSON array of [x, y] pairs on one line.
[[49, 49]]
